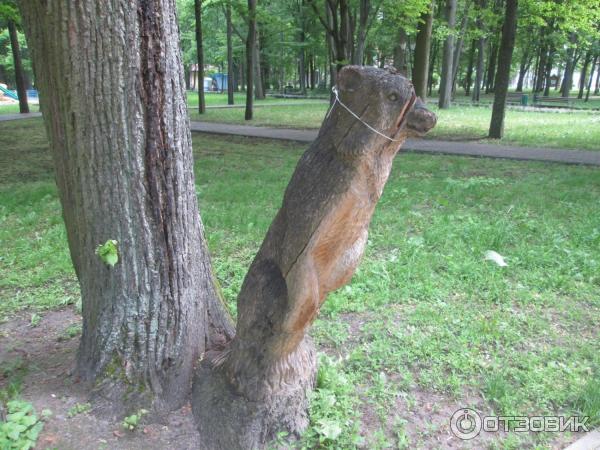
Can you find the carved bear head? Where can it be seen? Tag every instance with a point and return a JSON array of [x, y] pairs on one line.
[[382, 99]]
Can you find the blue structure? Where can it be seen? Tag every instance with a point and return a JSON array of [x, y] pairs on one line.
[[221, 80], [11, 94]]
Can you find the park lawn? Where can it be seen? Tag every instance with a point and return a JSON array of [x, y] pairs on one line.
[[239, 98], [548, 129], [426, 325], [13, 108]]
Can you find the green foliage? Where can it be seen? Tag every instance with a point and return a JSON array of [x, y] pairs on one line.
[[79, 408], [130, 423], [108, 252], [587, 402], [21, 428], [70, 332], [333, 412]]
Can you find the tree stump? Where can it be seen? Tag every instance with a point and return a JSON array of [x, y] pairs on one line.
[[255, 387]]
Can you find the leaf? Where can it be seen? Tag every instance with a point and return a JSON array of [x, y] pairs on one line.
[[108, 252], [329, 429], [491, 255]]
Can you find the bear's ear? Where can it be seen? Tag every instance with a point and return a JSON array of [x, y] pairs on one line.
[[349, 78]]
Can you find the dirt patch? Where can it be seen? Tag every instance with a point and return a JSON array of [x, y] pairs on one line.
[[44, 355]]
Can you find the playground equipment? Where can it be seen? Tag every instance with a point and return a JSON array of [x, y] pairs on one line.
[[8, 93]]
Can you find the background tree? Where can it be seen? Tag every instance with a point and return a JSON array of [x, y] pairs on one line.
[[200, 54], [250, 53], [447, 70], [420, 72], [504, 64], [10, 16]]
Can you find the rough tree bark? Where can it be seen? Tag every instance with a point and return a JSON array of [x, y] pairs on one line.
[[337, 27], [230, 70], [548, 70], [583, 76], [480, 4], [469, 78], [113, 100], [524, 67], [447, 72], [18, 65], [507, 46], [400, 62], [491, 70], [479, 69], [363, 22], [257, 386], [200, 56], [250, 45], [459, 44], [422, 47], [259, 91], [589, 86]]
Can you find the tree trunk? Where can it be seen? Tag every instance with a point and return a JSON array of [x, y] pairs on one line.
[[435, 47], [548, 71], [422, 49], [507, 45], [539, 84], [257, 387], [583, 76], [250, 52], [259, 92], [447, 71], [124, 172], [480, 52], [489, 80], [230, 69], [301, 55], [589, 86], [359, 53], [400, 52], [572, 59], [523, 69], [597, 84], [19, 73], [459, 44], [479, 70], [200, 54], [469, 78]]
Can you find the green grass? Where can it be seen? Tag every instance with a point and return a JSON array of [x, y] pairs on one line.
[[423, 314], [239, 98], [14, 108], [570, 130]]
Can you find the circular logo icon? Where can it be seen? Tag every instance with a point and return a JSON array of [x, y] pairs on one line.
[[465, 423]]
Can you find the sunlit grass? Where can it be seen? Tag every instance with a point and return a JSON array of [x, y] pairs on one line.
[[424, 313]]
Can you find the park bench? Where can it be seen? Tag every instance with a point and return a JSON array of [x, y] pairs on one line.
[[514, 98], [558, 102]]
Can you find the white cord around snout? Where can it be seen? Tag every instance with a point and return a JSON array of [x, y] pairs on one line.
[[337, 100]]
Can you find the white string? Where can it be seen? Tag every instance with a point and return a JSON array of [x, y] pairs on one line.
[[337, 100]]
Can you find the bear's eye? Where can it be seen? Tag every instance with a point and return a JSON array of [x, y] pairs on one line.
[[393, 97]]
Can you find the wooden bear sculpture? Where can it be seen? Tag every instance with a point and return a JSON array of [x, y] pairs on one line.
[[257, 386]]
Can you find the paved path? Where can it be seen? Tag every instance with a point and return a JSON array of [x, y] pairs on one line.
[[418, 145], [414, 145], [6, 117], [590, 441]]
